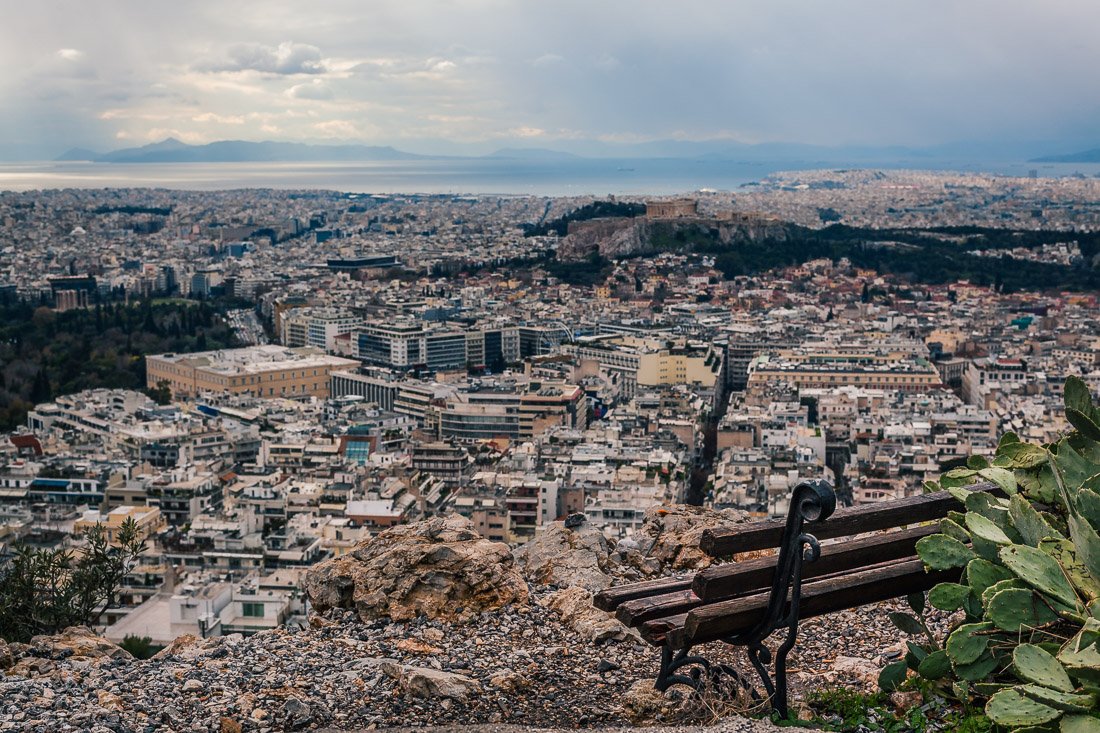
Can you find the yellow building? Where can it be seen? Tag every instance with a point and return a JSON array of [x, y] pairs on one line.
[[822, 369], [260, 371], [148, 518]]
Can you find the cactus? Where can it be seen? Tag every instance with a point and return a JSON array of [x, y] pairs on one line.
[[1080, 411], [980, 574], [1082, 665], [1040, 571], [1031, 525], [1031, 581], [999, 586], [1034, 664], [1064, 552], [955, 530], [936, 665], [948, 596], [1009, 707], [940, 552], [1015, 610], [983, 528], [966, 644], [1080, 724], [1065, 701]]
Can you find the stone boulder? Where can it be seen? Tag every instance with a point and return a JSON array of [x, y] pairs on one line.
[[43, 653], [574, 606], [567, 554], [428, 683], [439, 568], [76, 642], [670, 535]]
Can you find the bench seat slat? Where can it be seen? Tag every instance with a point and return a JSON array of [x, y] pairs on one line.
[[633, 613], [843, 522], [610, 598], [733, 579]]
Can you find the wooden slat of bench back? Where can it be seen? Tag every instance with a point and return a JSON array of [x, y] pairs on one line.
[[850, 590], [844, 522], [739, 579], [732, 579]]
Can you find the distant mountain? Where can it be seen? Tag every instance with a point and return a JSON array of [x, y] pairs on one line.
[[74, 154], [1084, 156], [239, 151], [532, 154]]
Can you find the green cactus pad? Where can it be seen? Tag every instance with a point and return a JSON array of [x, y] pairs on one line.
[[1000, 476], [977, 670], [1064, 552], [1020, 455], [1009, 707], [965, 644], [985, 529], [1082, 665], [1034, 664], [935, 666], [1016, 609], [1087, 543], [1040, 571], [981, 573], [1064, 701], [999, 586], [940, 552], [948, 596], [1080, 724], [953, 529], [1080, 410], [1031, 525]]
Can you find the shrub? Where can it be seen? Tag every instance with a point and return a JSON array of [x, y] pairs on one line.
[[45, 591], [1029, 593]]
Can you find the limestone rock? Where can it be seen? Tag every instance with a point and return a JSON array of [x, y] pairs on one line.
[[509, 681], [439, 568], [77, 642], [671, 534], [429, 683], [567, 557], [574, 605], [190, 647], [854, 667]]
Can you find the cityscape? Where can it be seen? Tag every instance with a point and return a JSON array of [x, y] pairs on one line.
[[366, 459]]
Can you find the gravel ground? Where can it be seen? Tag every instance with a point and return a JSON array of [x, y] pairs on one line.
[[518, 667]]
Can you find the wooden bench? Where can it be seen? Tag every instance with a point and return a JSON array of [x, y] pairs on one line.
[[743, 603]]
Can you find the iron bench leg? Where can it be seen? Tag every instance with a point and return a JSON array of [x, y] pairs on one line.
[[811, 501]]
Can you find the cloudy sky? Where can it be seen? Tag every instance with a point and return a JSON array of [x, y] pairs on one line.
[[476, 75]]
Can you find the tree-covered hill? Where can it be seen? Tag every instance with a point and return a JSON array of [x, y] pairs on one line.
[[45, 353]]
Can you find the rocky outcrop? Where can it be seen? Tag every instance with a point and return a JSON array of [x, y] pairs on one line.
[[621, 237], [567, 554], [438, 568], [671, 534], [41, 655]]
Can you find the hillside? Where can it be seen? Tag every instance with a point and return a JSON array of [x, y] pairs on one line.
[[470, 634]]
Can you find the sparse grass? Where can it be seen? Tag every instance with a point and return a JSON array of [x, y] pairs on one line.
[[847, 711]]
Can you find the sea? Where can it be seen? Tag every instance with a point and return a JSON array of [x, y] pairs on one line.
[[504, 176]]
